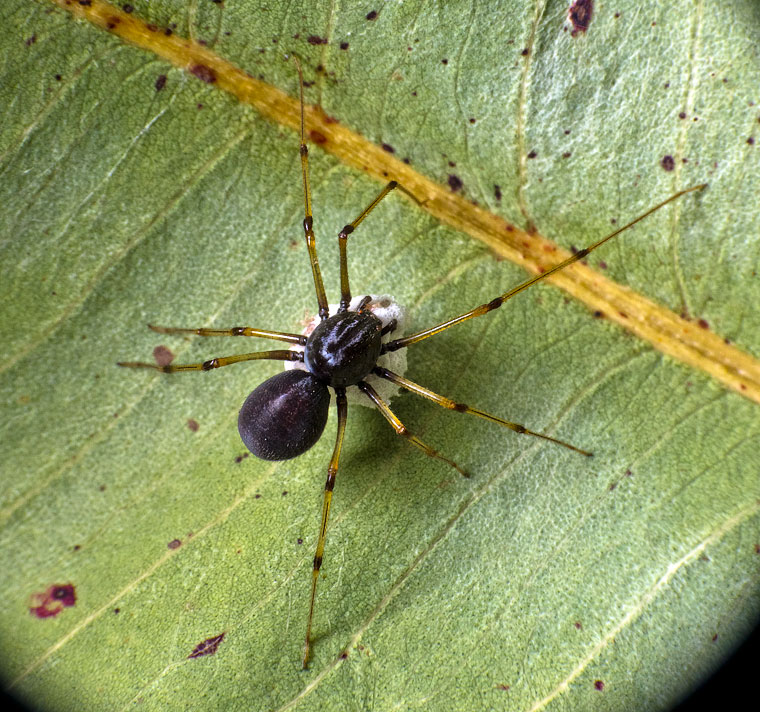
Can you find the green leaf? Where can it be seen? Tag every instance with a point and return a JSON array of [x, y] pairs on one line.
[[546, 580]]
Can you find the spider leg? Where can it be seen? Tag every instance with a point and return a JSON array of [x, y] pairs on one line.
[[345, 290], [278, 355], [234, 331], [400, 428], [464, 408], [332, 471], [498, 301], [308, 221]]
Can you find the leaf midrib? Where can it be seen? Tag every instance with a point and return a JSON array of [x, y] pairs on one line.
[[669, 333]]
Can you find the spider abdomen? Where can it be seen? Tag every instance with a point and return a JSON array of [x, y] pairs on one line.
[[344, 348], [284, 416]]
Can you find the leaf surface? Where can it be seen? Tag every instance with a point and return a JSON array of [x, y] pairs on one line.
[[133, 192]]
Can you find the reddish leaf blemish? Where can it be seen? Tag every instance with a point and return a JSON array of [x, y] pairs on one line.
[[207, 647], [668, 163], [203, 72], [193, 425], [455, 182], [163, 356], [174, 544], [579, 14], [50, 603], [317, 137], [598, 685]]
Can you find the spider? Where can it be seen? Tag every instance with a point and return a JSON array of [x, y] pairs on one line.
[[286, 415]]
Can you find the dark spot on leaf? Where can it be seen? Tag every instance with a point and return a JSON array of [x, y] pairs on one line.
[[715, 637], [407, 160], [372, 15], [31, 40], [168, 32], [299, 540], [455, 182], [51, 602], [703, 324], [502, 686], [317, 137], [204, 73], [532, 154], [163, 356], [668, 163], [578, 625], [666, 85], [344, 45], [257, 496], [240, 458], [58, 77], [579, 14], [174, 544], [85, 3], [207, 647], [472, 120], [316, 40], [682, 115], [598, 314], [128, 8], [117, 610], [151, 27], [497, 192], [193, 425], [617, 14], [160, 82], [567, 154], [525, 52], [77, 547], [751, 140], [387, 147], [452, 164], [602, 264], [598, 685], [444, 61], [344, 655]]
